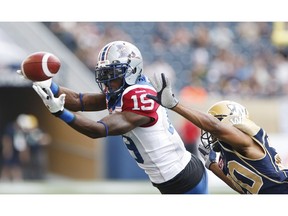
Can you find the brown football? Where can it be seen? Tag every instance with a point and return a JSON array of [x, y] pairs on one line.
[[40, 66]]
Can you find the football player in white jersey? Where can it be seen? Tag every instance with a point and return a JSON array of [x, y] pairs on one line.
[[144, 125]]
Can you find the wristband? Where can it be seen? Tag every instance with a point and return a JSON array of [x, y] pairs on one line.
[[65, 115], [105, 125], [54, 88], [81, 101]]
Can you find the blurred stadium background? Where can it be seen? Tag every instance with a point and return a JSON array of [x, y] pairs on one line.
[[207, 61]]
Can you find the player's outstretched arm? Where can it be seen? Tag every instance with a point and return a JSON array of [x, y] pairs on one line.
[[74, 101], [83, 125], [166, 98], [114, 124], [224, 132]]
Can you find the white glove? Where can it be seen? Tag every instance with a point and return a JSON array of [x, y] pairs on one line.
[[164, 96], [53, 104], [21, 74], [208, 155], [43, 84]]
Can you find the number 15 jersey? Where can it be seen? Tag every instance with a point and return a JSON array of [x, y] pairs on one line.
[[157, 146]]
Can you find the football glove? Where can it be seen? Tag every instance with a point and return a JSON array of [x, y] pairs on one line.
[[208, 155], [21, 74], [43, 84], [51, 102], [164, 96]]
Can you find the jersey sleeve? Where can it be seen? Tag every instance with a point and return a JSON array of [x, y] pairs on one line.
[[135, 100]]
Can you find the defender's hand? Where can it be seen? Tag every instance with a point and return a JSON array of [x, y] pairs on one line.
[[208, 155], [53, 104], [164, 96]]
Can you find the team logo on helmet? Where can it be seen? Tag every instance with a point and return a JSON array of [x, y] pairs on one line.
[[122, 50], [237, 109]]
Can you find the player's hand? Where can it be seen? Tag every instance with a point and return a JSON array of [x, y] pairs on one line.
[[164, 96], [19, 72], [208, 155], [53, 104], [43, 84]]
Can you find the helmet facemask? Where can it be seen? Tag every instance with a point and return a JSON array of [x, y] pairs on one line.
[[209, 141], [105, 73]]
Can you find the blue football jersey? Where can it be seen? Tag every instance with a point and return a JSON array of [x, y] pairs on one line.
[[255, 176]]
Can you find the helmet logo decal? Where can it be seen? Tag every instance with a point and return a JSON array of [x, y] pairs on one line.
[[122, 50], [236, 109], [132, 55]]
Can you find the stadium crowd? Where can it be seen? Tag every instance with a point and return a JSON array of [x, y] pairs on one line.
[[223, 58]]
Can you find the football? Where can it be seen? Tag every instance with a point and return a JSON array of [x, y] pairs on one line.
[[40, 66]]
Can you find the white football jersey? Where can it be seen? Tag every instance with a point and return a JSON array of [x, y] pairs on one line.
[[157, 146]]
